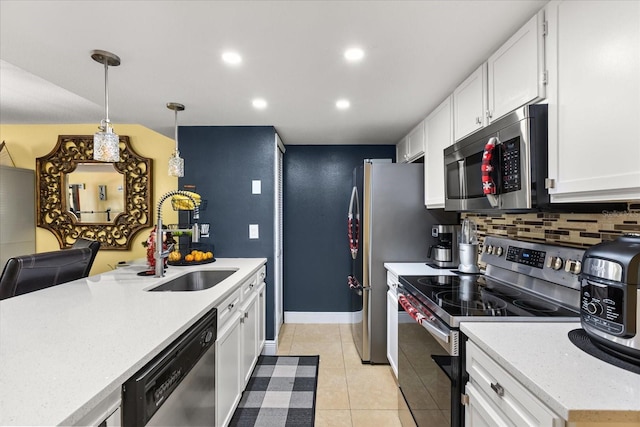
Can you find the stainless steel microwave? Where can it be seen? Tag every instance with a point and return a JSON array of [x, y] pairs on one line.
[[507, 159]]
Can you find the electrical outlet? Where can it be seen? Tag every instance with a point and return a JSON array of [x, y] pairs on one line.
[[256, 186], [254, 232]]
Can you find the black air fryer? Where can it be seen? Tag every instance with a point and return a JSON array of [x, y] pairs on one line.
[[610, 295]]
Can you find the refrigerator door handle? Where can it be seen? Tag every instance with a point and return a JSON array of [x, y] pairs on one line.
[[353, 223]]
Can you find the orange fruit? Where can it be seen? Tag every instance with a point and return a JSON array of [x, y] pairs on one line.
[[198, 257], [188, 258], [209, 255]]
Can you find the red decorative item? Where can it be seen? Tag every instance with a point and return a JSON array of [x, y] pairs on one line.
[[151, 249], [488, 185]]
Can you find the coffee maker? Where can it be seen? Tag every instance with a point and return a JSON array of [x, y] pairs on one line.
[[444, 253]]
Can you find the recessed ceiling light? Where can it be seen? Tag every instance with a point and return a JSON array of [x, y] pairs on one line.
[[342, 104], [259, 103], [231, 58], [354, 54]]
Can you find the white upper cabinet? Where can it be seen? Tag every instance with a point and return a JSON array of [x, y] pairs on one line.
[[438, 135], [402, 150], [470, 103], [512, 77], [515, 72], [411, 147], [593, 56], [416, 142]]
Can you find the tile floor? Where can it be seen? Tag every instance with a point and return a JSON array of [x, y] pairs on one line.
[[350, 393]]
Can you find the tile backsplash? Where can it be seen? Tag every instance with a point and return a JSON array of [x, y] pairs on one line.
[[566, 229]]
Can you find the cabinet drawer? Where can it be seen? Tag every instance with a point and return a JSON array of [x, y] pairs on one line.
[[262, 274], [505, 392], [227, 308], [249, 287]]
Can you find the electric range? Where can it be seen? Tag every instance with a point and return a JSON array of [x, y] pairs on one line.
[[522, 282]]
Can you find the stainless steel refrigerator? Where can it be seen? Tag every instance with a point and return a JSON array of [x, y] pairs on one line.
[[388, 222]]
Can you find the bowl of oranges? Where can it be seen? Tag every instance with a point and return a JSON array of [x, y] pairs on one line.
[[190, 256]]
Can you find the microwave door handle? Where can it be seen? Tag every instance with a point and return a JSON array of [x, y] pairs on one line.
[[462, 178], [490, 151]]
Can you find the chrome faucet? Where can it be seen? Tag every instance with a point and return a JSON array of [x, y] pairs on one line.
[[159, 254]]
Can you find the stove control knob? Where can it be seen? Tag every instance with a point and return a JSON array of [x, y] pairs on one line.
[[490, 249], [573, 266], [498, 250], [555, 262], [594, 308]]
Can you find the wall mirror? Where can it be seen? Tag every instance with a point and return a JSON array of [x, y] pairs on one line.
[[81, 197]]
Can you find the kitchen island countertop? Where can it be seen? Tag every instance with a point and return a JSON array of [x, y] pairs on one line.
[[574, 384], [66, 349]]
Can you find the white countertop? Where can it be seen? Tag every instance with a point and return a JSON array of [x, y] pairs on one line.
[[574, 384], [65, 349], [416, 269]]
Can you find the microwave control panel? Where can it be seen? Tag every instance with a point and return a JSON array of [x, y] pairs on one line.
[[511, 179]]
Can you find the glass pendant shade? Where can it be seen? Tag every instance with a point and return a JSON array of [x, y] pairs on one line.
[[106, 147], [106, 143], [176, 163]]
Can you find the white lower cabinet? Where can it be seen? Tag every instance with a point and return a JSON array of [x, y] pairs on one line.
[[392, 322], [241, 338], [228, 347], [495, 398], [262, 316], [249, 313]]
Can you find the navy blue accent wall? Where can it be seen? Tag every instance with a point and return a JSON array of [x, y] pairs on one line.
[[317, 189], [222, 161]]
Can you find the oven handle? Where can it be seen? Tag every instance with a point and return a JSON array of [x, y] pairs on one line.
[[427, 322]]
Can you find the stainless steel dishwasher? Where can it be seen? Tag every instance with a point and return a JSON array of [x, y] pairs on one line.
[[177, 388]]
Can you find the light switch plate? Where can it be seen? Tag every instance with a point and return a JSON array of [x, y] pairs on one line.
[[256, 186], [254, 232]]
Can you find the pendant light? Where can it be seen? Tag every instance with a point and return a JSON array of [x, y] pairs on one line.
[[176, 163], [106, 144]]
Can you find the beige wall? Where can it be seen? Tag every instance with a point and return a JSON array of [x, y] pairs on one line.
[[27, 142]]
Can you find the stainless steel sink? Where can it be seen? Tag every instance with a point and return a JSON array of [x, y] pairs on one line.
[[194, 281]]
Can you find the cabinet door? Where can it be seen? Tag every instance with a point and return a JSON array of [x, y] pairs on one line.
[[515, 71], [402, 150], [439, 135], [505, 393], [262, 312], [478, 412], [249, 336], [415, 142], [470, 103], [594, 100], [392, 330], [228, 370]]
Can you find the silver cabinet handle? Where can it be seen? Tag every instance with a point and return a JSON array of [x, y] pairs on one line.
[[230, 306], [489, 114], [498, 389], [246, 315], [251, 285]]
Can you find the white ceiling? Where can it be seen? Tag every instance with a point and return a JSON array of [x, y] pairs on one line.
[[416, 53]]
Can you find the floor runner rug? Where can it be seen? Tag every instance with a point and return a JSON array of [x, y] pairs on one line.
[[280, 393]]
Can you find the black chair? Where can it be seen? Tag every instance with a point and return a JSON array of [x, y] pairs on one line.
[[94, 245], [28, 273]]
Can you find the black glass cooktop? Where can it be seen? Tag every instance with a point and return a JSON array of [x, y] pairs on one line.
[[477, 295]]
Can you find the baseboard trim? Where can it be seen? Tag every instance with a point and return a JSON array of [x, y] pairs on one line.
[[270, 348], [317, 317]]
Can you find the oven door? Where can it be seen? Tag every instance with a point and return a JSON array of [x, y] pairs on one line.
[[429, 370]]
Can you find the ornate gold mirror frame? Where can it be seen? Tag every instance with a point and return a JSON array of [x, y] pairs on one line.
[[53, 212]]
